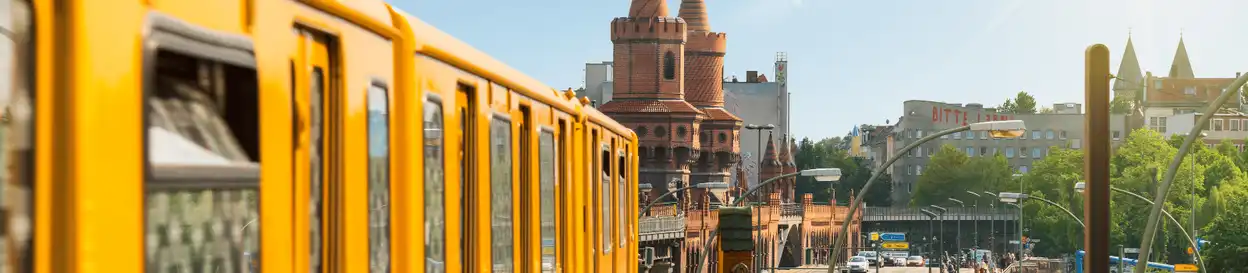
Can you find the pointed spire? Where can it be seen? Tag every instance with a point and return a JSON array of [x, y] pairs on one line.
[[694, 13], [1181, 67], [1129, 75], [784, 151], [769, 155], [648, 9], [793, 153]]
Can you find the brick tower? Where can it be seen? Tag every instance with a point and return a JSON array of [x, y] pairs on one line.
[[649, 93], [704, 79], [770, 168]]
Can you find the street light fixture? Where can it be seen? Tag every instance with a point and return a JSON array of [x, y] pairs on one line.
[[717, 188], [820, 174], [1081, 186], [992, 224], [975, 217], [1014, 198], [1021, 197], [960, 214], [1154, 215], [998, 129], [942, 211]]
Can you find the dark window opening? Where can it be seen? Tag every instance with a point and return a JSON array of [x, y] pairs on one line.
[[669, 66]]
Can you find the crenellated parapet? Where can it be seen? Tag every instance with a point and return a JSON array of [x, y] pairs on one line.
[[707, 42], [663, 30]]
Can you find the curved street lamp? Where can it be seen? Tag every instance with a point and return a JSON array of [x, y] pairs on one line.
[[974, 218], [997, 129], [716, 188], [1154, 215], [820, 174], [1080, 186], [1018, 197], [992, 224], [963, 212]]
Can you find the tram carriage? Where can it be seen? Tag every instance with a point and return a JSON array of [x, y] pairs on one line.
[[295, 136]]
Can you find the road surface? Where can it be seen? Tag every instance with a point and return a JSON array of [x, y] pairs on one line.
[[882, 270]]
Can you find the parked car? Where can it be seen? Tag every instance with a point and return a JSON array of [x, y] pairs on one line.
[[896, 261], [914, 261], [857, 264], [873, 258]]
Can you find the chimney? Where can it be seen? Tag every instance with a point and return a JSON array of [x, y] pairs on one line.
[[751, 76]]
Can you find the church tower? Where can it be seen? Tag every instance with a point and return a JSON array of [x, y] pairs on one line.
[[649, 53]]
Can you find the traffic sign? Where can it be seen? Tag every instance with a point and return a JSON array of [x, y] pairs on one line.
[[875, 236], [893, 237], [896, 245], [1131, 250], [1185, 268]]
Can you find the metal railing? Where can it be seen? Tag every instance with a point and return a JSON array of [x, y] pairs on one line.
[[661, 224], [791, 209]]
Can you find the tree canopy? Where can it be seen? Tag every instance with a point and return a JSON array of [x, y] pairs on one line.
[[830, 153], [1022, 103]]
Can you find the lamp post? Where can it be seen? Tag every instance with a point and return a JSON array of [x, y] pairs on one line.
[[975, 217], [941, 252], [998, 129], [959, 238], [758, 170], [931, 218], [1019, 226], [1150, 227], [1081, 187], [820, 174], [1016, 199], [1192, 164], [992, 224]]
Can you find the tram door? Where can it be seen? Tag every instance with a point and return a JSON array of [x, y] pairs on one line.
[[317, 149]]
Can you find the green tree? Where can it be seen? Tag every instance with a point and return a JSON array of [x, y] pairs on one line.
[[1007, 107], [1024, 103], [944, 176], [1229, 242], [828, 153], [1120, 106]]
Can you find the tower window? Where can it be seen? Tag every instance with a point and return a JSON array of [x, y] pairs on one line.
[[669, 66]]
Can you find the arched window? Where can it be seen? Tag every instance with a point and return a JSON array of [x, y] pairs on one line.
[[669, 66]]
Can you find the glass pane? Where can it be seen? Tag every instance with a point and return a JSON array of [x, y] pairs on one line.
[[435, 219], [316, 148], [605, 192], [378, 180], [209, 230], [500, 195], [546, 147], [621, 192], [16, 131]]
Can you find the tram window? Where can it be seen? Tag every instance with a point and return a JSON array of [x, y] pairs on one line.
[[606, 198], [378, 180], [16, 131], [193, 132], [622, 167], [500, 195], [546, 146], [316, 152], [435, 219]]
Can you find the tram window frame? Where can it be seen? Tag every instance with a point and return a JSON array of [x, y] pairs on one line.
[[379, 244], [17, 135], [622, 193], [189, 73], [606, 162], [547, 176], [501, 176], [434, 183]]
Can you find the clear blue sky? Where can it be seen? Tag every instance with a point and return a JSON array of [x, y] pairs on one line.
[[854, 62]]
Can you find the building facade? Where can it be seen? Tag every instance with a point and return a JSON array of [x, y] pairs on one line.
[[922, 118], [752, 99]]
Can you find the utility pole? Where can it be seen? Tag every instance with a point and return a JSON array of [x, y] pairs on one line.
[[1096, 158]]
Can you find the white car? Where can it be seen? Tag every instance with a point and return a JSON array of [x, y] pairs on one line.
[[857, 264]]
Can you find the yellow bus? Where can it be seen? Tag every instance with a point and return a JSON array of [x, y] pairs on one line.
[[294, 136]]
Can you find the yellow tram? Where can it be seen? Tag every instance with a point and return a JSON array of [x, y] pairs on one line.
[[294, 136]]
